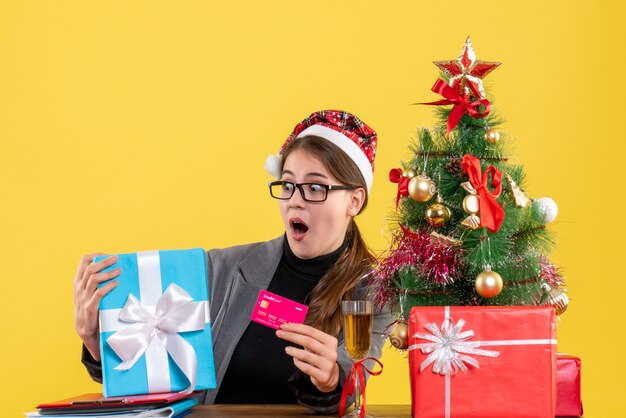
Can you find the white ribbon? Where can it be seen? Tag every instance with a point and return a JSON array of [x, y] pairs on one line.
[[151, 327], [449, 348], [175, 312]]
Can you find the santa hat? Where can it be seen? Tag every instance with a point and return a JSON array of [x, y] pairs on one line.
[[341, 128]]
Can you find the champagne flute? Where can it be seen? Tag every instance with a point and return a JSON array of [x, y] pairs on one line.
[[357, 335]]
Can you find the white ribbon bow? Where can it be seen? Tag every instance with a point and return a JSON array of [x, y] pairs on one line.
[[175, 312], [449, 347]]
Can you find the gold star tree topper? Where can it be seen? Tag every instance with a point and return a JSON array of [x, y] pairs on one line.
[[466, 72]]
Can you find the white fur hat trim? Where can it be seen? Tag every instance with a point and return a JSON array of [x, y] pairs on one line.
[[348, 146]]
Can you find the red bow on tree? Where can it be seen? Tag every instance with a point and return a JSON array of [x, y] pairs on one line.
[[357, 372], [491, 213], [477, 109], [395, 176]]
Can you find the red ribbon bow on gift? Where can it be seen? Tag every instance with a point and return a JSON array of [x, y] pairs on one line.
[[357, 372], [477, 109], [491, 213], [395, 176]]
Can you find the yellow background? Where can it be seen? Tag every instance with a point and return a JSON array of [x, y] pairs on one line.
[[128, 125]]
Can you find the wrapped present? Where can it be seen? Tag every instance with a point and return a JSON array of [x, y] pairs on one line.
[[482, 362], [568, 399], [155, 329]]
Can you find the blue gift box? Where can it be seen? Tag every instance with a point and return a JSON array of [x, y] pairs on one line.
[[155, 329]]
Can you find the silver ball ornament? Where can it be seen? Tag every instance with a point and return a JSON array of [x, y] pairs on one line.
[[547, 207]]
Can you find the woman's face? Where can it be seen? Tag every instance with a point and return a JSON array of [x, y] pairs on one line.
[[316, 228]]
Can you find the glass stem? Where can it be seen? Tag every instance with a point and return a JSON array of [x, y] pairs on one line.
[[357, 395]]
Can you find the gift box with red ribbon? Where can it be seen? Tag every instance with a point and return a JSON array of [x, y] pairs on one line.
[[482, 362], [568, 399]]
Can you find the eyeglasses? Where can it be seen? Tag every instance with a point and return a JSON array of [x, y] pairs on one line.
[[310, 192]]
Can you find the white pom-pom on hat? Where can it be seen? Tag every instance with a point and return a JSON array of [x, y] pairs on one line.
[[272, 165]]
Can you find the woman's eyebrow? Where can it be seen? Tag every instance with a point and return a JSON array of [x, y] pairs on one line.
[[314, 174], [320, 175]]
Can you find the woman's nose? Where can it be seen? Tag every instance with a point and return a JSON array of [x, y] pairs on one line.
[[296, 198]]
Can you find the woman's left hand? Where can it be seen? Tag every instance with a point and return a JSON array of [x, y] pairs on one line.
[[317, 358]]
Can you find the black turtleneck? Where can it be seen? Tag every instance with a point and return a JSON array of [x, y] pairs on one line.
[[259, 367]]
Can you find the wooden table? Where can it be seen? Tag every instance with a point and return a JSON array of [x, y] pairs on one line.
[[289, 411]]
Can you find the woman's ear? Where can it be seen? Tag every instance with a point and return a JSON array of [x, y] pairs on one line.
[[357, 199]]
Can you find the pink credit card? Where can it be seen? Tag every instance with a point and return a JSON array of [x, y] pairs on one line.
[[273, 310]]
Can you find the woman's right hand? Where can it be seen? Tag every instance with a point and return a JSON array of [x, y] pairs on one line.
[[87, 297]]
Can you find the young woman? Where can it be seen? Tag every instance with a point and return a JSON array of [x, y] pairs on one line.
[[325, 171]]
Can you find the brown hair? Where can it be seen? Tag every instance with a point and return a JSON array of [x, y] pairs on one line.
[[356, 260]]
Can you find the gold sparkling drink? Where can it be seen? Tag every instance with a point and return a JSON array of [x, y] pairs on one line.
[[357, 329]]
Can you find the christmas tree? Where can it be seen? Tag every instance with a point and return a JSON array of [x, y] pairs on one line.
[[467, 233]]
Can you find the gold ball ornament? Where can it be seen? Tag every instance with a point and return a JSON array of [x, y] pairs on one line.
[[399, 336], [410, 173], [557, 298], [492, 136], [488, 284], [437, 213], [422, 188]]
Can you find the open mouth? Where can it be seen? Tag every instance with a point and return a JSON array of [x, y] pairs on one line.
[[298, 228]]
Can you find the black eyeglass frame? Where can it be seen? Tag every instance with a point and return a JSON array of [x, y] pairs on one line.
[[300, 186]]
